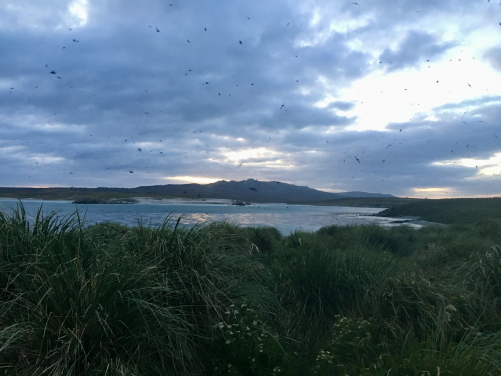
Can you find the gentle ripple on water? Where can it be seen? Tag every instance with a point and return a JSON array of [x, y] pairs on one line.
[[286, 218]]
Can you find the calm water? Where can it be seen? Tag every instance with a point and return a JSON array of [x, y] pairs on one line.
[[286, 218]]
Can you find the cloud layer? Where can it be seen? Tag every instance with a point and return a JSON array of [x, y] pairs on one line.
[[381, 97]]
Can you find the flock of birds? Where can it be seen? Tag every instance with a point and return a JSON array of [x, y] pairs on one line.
[[241, 43]]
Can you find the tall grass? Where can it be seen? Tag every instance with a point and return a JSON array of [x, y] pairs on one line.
[[316, 283], [144, 303], [223, 300]]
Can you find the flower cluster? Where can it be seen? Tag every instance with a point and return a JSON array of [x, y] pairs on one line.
[[351, 338], [247, 343]]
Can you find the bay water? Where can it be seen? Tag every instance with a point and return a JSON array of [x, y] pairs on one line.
[[286, 218]]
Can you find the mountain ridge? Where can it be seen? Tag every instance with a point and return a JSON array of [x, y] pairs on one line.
[[252, 190]]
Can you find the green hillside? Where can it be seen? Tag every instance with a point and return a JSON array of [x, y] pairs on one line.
[[458, 210]]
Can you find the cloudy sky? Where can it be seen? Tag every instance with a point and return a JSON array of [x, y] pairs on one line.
[[390, 96]]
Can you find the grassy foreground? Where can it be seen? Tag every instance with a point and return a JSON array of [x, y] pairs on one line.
[[223, 300]]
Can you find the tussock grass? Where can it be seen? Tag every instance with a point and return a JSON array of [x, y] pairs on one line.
[[223, 300]]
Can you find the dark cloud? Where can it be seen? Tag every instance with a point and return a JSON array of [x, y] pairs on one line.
[[493, 56], [341, 105], [415, 49]]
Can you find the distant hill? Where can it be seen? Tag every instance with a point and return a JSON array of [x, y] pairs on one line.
[[249, 190]]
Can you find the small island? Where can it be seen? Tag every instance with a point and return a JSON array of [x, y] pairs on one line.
[[240, 203], [87, 201]]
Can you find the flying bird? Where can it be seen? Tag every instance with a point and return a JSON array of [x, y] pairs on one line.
[[53, 72], [131, 171], [356, 4], [157, 30], [240, 41], [188, 41], [139, 149], [358, 160], [282, 106], [469, 85]]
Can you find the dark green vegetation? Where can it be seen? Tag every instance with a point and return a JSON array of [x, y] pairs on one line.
[[457, 210], [219, 299], [368, 202]]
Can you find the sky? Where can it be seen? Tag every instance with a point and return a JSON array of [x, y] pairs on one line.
[[391, 96]]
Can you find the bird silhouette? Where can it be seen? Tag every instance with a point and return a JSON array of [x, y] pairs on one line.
[[356, 4], [53, 72], [139, 149], [131, 171], [282, 106], [240, 41], [358, 160], [158, 30]]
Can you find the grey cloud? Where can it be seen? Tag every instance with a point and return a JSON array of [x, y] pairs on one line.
[[125, 81], [493, 56], [416, 47], [341, 105]]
